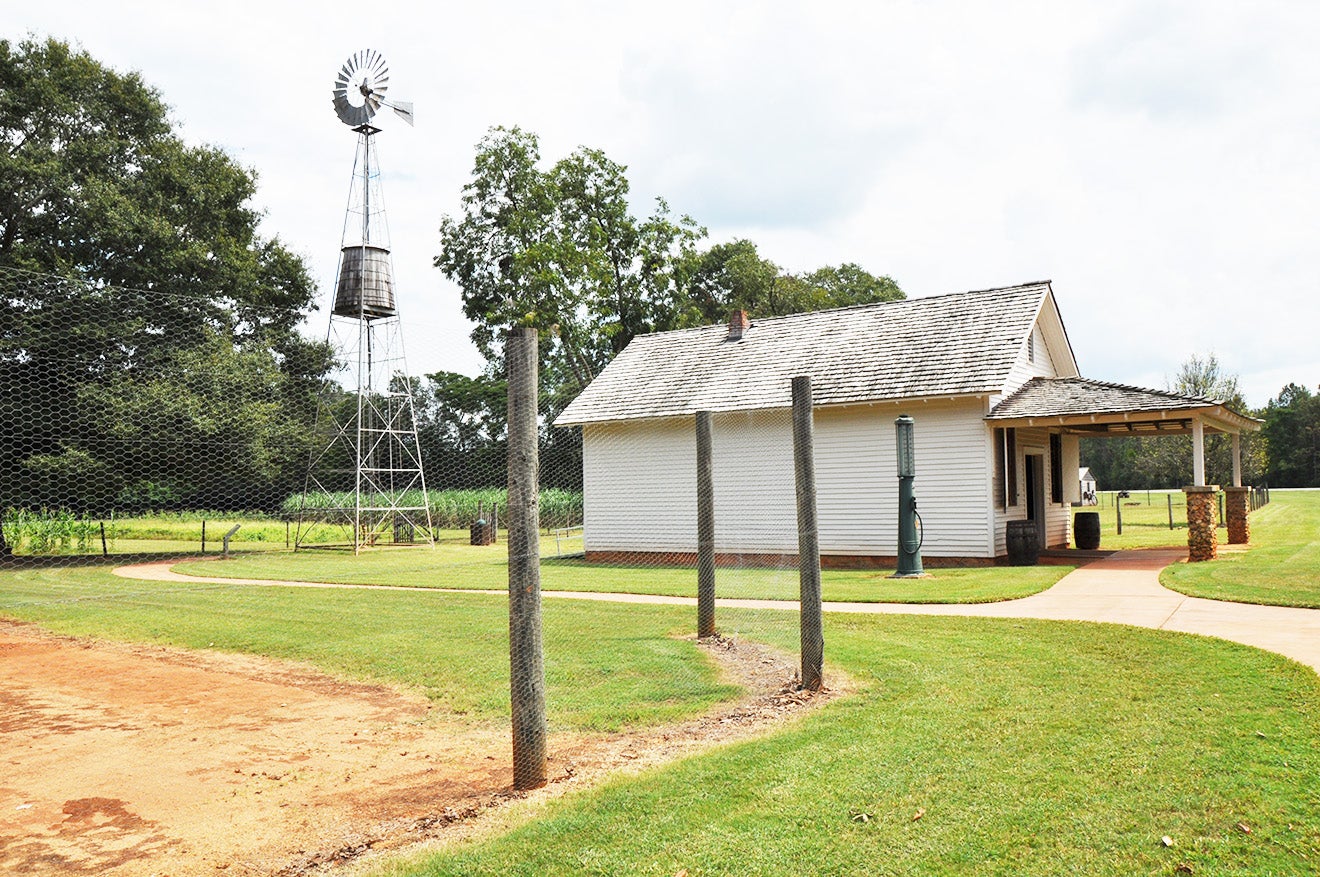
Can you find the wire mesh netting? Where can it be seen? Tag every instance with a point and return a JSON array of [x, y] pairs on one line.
[[157, 463], [145, 435]]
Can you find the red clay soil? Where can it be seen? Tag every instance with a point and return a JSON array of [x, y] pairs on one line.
[[128, 760]]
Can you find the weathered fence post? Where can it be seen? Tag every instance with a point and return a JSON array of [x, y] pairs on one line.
[[1118, 510], [105, 549], [804, 466], [1169, 497], [203, 536], [526, 662], [705, 527]]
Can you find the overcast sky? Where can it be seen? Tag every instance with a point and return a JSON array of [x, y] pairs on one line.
[[1156, 160]]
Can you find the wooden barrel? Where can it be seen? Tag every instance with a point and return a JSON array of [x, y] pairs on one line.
[[1086, 530], [1023, 544]]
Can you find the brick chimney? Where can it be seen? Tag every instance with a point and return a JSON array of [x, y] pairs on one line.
[[738, 324]]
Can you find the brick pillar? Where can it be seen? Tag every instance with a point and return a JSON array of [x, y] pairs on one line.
[[1202, 539], [1236, 505]]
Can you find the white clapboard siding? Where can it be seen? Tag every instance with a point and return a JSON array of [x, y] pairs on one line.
[[639, 485], [640, 481], [1024, 368], [1058, 516]]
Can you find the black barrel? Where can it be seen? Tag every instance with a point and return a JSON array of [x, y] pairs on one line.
[[1086, 530], [1023, 544]]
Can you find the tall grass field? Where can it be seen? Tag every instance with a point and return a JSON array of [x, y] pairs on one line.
[[64, 532]]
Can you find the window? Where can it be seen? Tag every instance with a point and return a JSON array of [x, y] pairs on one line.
[[1005, 467], [1056, 468], [1031, 346]]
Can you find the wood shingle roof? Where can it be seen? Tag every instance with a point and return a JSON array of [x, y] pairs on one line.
[[949, 345], [1054, 397], [1077, 401]]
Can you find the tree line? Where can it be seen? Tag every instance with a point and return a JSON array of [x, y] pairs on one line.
[[149, 345]]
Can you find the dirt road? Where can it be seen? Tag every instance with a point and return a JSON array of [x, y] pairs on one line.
[[132, 760]]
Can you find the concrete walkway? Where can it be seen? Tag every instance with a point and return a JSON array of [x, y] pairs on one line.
[[1123, 588]]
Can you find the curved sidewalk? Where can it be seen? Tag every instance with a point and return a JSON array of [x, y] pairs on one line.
[[1123, 588]]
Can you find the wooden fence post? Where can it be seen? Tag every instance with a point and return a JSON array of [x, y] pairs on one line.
[[804, 466], [526, 661], [705, 528], [1169, 497]]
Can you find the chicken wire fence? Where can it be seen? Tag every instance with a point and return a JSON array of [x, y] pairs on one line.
[[137, 425]]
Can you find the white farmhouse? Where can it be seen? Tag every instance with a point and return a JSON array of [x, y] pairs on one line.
[[989, 377]]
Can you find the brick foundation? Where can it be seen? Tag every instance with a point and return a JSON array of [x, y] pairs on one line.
[[1202, 537], [771, 561], [1236, 505]]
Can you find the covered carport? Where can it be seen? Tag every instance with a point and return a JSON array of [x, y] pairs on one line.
[[1086, 408]]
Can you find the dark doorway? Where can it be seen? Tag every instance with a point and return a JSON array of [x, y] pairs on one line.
[[1036, 494]]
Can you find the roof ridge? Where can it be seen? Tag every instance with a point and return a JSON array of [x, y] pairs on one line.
[[859, 306]]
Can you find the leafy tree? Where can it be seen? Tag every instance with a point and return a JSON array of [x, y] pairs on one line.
[[733, 276], [560, 251], [461, 429], [157, 248], [1292, 435]]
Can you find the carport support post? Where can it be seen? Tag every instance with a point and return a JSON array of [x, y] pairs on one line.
[[1239, 528], [705, 528], [1202, 540], [804, 465], [526, 662]]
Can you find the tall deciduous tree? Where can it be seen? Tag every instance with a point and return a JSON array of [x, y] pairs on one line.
[[1292, 436], [156, 242], [559, 250], [733, 276]]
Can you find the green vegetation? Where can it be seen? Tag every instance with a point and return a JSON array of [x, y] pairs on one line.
[[1145, 519], [1031, 747], [1292, 434], [974, 747], [1282, 567], [148, 325], [606, 669], [61, 532], [1028, 747], [457, 509], [484, 568]]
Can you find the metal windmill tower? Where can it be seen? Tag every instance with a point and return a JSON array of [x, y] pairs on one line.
[[366, 470]]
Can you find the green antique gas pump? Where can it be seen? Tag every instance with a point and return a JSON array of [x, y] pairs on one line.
[[910, 531]]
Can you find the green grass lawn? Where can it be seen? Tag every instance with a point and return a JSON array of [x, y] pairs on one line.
[[1145, 519], [485, 568], [1030, 747], [1282, 567], [605, 669]]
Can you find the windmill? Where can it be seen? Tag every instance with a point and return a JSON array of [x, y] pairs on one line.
[[365, 470]]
